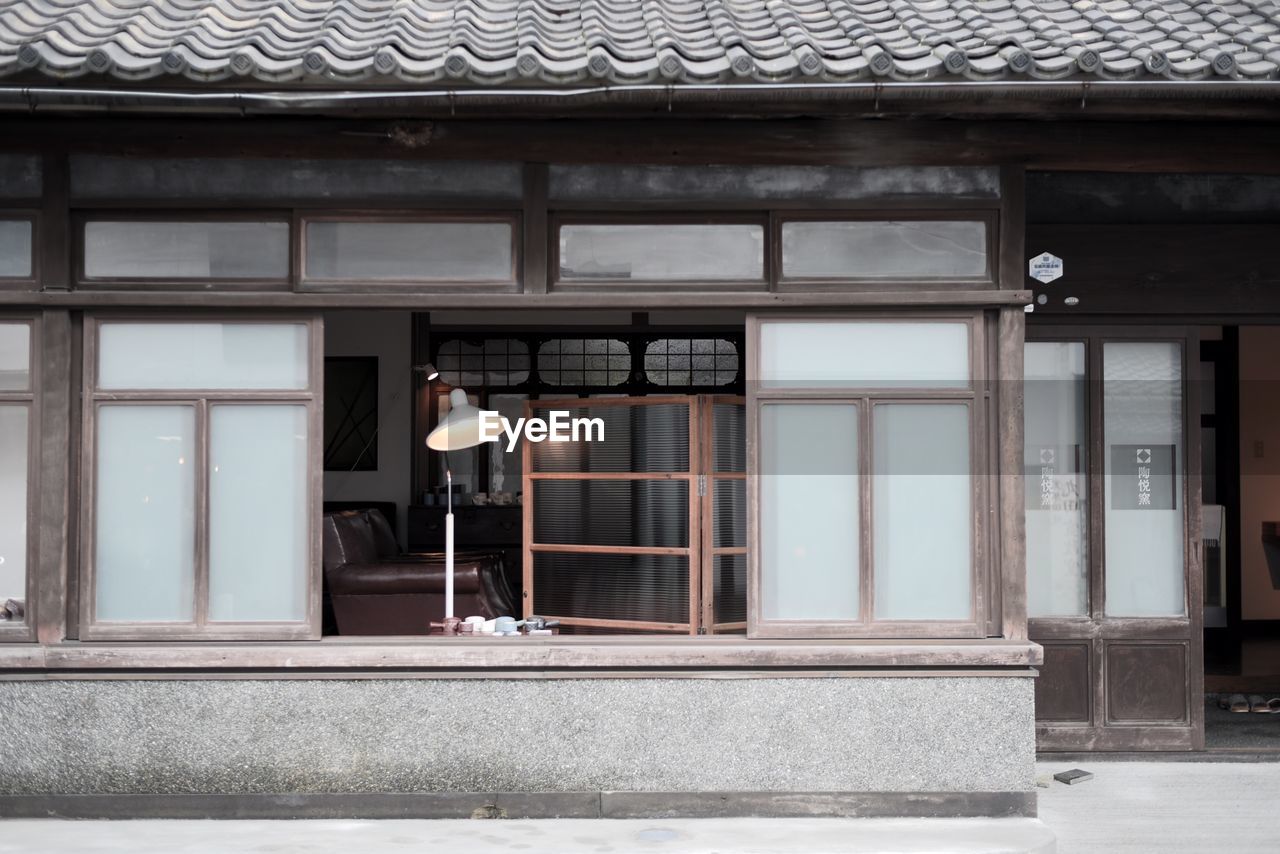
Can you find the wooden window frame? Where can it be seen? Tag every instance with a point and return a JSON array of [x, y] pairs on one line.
[[560, 220], [31, 282], [25, 631], [982, 493], [509, 284], [202, 400], [810, 284], [175, 283]]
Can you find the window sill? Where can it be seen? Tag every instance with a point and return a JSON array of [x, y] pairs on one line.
[[480, 655]]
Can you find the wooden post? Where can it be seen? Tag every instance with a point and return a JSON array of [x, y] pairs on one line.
[[54, 404], [1013, 529]]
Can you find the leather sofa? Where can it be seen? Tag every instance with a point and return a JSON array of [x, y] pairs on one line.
[[374, 589]]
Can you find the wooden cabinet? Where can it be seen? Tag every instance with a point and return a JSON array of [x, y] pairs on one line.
[[488, 528]]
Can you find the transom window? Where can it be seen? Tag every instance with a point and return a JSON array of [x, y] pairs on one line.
[[17, 259], [471, 249], [656, 252], [246, 249], [691, 361]]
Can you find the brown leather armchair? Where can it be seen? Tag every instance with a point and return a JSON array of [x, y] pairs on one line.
[[377, 590]]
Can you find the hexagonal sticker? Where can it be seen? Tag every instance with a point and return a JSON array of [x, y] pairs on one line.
[[1045, 268]]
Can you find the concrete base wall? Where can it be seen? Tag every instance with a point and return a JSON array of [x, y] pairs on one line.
[[808, 734]]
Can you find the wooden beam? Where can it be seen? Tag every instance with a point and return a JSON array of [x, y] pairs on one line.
[[1150, 146], [629, 300], [534, 223]]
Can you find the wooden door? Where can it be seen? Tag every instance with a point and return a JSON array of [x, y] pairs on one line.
[[1113, 517]]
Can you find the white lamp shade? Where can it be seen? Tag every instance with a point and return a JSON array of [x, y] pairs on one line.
[[460, 428]]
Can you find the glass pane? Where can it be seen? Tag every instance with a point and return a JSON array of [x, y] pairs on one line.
[[645, 513], [1056, 466], [259, 555], [729, 437], [642, 437], [577, 362], [922, 514], [653, 588], [884, 250], [15, 249], [864, 354], [654, 253], [729, 588], [203, 355], [15, 357], [13, 502], [410, 251], [1142, 415], [809, 511], [145, 513], [507, 467], [729, 520], [186, 250], [691, 362]]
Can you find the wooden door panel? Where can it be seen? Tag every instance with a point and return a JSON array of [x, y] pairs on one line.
[[1064, 689], [1146, 683]]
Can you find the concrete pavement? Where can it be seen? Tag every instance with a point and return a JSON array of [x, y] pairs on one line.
[[1166, 807]]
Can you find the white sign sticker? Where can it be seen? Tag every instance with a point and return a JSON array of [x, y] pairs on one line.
[[1045, 268]]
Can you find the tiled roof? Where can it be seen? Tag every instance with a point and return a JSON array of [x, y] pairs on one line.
[[517, 42]]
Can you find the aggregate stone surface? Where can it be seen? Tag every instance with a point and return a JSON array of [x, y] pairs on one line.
[[871, 734]]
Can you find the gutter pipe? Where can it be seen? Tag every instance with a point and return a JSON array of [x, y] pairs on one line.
[[58, 99]]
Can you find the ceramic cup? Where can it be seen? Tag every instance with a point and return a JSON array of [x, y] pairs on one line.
[[480, 499]]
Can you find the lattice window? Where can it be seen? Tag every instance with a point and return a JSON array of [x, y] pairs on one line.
[[691, 362]]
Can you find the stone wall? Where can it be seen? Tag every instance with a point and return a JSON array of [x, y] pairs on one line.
[[722, 734]]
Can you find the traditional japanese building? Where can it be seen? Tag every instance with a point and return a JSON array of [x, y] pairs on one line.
[[916, 331]]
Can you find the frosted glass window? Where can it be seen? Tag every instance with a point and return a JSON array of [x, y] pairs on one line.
[[258, 549], [809, 511], [186, 250], [15, 357], [864, 354], [922, 518], [410, 251], [202, 356], [145, 511], [15, 249], [1056, 468], [1143, 442], [885, 250], [13, 501], [656, 253]]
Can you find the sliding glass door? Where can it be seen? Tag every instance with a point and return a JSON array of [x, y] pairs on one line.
[[1112, 490]]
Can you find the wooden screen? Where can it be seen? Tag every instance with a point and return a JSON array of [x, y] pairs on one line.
[[645, 529]]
